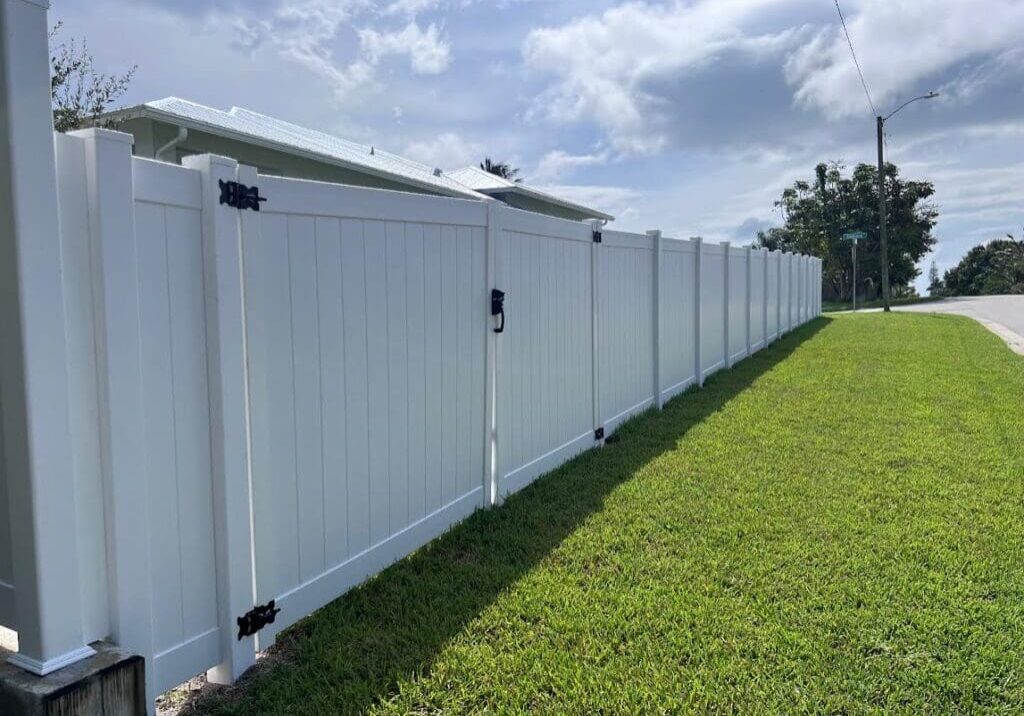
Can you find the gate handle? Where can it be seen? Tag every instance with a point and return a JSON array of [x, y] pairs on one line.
[[498, 308]]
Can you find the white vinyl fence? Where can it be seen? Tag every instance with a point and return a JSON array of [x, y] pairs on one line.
[[262, 408], [274, 405], [280, 403]]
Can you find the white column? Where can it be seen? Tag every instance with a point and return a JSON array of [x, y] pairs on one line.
[[778, 296], [698, 245], [491, 410], [223, 270], [656, 239], [725, 311], [108, 174], [33, 354]]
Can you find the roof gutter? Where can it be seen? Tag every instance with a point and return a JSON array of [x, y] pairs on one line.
[[181, 136]]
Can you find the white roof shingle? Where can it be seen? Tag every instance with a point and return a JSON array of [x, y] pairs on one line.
[[487, 183], [247, 125]]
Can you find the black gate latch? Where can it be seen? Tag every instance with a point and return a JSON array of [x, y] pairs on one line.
[[240, 196], [259, 617], [498, 308]]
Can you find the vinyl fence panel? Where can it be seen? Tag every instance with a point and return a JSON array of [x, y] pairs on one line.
[[737, 304], [678, 324], [758, 303], [625, 326], [546, 363], [773, 276], [712, 323]]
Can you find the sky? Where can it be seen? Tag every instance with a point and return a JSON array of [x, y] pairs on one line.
[[686, 116]]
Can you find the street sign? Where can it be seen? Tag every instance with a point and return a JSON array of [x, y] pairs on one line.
[[854, 236]]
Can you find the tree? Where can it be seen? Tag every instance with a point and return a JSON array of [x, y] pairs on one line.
[[80, 93], [819, 212], [501, 169], [935, 285], [988, 269]]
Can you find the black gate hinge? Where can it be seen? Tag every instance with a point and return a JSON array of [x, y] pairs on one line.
[[599, 434], [259, 617], [597, 237], [240, 196]]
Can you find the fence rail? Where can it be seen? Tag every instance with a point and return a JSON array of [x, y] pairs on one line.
[[275, 405]]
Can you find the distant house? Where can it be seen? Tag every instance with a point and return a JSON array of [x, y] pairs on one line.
[[521, 196], [170, 129]]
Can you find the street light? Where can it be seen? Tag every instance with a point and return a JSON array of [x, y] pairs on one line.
[[884, 242]]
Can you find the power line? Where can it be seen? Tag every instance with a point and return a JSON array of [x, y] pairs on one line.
[[874, 112]]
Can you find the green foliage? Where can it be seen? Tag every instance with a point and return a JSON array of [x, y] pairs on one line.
[[989, 269], [501, 169], [832, 527], [818, 213], [80, 94]]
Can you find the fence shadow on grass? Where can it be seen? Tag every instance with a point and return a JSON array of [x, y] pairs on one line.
[[356, 650]]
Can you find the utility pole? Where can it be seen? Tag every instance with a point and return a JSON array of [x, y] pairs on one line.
[[883, 239]]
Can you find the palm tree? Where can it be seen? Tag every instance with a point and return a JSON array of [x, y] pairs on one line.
[[501, 169]]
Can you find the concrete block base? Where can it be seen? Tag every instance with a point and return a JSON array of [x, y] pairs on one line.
[[111, 683]]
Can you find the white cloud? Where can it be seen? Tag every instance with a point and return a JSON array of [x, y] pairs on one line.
[[304, 32], [553, 166], [602, 64], [428, 52], [900, 45], [308, 32], [411, 8], [447, 150]]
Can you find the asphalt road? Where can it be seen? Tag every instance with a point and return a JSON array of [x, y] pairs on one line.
[[1007, 310]]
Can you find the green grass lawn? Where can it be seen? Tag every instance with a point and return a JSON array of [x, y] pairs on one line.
[[834, 526]]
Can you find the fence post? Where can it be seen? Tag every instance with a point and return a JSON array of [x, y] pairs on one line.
[[33, 355], [656, 238], [229, 411], [725, 312], [108, 165], [595, 304], [750, 301], [698, 375], [491, 409]]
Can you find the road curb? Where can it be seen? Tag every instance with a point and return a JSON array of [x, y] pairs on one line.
[[1014, 340]]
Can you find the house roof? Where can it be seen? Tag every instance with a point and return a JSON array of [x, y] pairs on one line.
[[254, 128], [487, 183]]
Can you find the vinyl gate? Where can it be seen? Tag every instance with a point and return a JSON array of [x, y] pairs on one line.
[[365, 314]]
